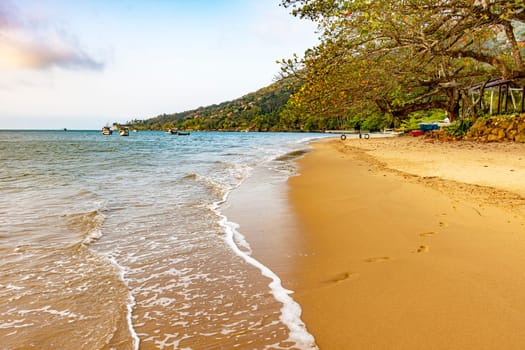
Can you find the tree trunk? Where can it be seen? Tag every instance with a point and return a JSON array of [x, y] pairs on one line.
[[453, 112], [452, 106], [472, 106]]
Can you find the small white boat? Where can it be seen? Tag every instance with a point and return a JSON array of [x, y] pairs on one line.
[[107, 130], [124, 132]]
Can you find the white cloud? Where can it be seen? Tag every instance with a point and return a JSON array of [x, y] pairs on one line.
[[26, 45]]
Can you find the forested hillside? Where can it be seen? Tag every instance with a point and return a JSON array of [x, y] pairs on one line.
[[257, 111]]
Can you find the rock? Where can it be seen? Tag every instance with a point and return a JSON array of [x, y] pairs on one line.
[[513, 125], [498, 129], [521, 126], [504, 123], [520, 138], [492, 138], [511, 134]]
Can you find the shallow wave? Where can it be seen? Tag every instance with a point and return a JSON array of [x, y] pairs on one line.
[[292, 155], [88, 225], [191, 176], [47, 216], [223, 179], [214, 186]]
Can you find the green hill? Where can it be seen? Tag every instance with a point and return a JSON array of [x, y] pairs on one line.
[[257, 111]]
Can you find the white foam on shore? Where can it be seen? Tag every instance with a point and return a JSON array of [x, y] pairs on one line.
[[290, 311], [129, 306], [95, 234]]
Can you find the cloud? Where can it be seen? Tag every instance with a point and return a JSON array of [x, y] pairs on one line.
[[38, 45]]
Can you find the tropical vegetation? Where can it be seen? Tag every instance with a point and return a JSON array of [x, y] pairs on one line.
[[386, 59]]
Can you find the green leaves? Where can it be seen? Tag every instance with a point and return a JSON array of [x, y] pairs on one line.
[[396, 56]]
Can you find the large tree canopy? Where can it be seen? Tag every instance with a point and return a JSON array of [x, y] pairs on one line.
[[400, 56]]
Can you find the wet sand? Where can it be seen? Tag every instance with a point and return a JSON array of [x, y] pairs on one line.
[[261, 209], [407, 244]]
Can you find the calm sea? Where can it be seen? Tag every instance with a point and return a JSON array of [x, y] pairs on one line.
[[110, 242]]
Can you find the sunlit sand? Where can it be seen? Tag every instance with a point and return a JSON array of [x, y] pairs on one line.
[[411, 245]]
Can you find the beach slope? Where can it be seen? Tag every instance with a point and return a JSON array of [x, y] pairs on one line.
[[411, 245]]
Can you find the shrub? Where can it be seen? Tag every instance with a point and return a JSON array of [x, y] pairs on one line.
[[459, 128]]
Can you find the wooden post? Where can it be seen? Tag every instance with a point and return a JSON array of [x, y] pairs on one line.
[[481, 92], [499, 99], [513, 100], [491, 100], [506, 96], [522, 98]]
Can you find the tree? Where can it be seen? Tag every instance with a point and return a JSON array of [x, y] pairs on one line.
[[405, 56]]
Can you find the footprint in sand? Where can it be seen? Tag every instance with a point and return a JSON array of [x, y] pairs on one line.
[[422, 249], [378, 259], [428, 234], [342, 277]]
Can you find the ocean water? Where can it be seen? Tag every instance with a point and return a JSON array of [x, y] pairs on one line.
[[110, 242]]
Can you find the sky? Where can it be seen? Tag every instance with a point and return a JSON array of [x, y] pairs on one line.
[[85, 63]]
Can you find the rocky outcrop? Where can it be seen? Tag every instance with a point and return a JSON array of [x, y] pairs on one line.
[[498, 129]]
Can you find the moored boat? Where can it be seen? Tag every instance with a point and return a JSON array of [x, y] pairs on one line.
[[124, 132], [106, 130], [177, 132]]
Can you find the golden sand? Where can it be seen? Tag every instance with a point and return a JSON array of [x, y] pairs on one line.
[[407, 244]]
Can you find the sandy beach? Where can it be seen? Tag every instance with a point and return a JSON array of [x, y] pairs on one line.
[[411, 244]]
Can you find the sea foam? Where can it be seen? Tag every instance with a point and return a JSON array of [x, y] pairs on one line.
[[130, 304], [290, 311]]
